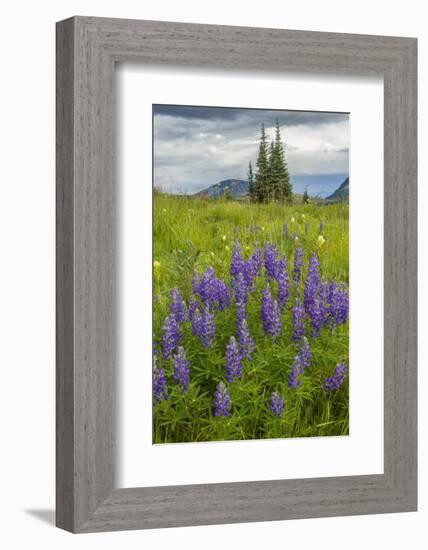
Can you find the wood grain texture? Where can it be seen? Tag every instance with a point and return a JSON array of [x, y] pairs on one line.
[[87, 50]]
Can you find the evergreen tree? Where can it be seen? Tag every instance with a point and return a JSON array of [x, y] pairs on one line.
[[261, 179], [305, 199], [251, 186], [281, 184], [270, 191]]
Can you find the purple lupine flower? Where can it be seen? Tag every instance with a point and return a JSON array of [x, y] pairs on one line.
[[177, 306], [223, 294], [245, 339], [298, 265], [160, 391], [312, 282], [283, 280], [207, 288], [208, 327], [171, 336], [317, 315], [252, 267], [298, 320], [271, 316], [305, 353], [237, 262], [249, 268], [193, 306], [338, 308], [181, 369], [315, 296], [333, 383], [321, 228], [214, 292], [241, 290], [222, 401], [257, 259], [233, 360], [276, 404], [301, 362], [271, 260], [196, 321], [296, 369]]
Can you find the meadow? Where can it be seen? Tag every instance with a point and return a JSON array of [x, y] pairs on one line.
[[244, 347]]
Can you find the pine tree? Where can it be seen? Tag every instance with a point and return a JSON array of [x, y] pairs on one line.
[[281, 184], [251, 187], [305, 199], [263, 168], [270, 195]]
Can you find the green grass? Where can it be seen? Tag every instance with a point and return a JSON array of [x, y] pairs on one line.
[[191, 234]]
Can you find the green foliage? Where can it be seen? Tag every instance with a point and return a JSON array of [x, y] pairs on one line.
[[305, 198], [262, 177], [272, 180], [191, 234], [251, 184]]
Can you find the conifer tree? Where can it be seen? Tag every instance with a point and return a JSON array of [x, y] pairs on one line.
[[305, 199], [262, 176], [269, 191], [251, 188], [281, 184]]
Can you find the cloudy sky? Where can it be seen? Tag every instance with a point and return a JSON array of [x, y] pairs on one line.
[[195, 147]]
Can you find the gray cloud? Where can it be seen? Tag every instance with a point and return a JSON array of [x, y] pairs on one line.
[[195, 147]]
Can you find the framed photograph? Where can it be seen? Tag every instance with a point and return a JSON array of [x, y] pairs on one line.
[[236, 274]]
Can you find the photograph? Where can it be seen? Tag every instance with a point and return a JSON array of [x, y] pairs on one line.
[[250, 273]]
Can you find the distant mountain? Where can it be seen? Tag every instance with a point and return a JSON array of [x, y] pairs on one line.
[[237, 188], [341, 193], [320, 195]]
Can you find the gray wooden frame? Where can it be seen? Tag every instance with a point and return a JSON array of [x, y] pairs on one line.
[[87, 50]]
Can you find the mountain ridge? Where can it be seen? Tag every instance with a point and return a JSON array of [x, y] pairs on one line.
[[238, 188], [341, 193]]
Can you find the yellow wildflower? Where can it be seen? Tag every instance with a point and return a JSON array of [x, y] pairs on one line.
[[224, 238], [157, 270], [321, 240], [293, 220]]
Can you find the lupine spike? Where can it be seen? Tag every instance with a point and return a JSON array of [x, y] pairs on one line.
[[271, 257], [245, 339], [171, 335], [181, 369], [301, 362], [333, 383], [298, 320], [276, 404], [233, 361], [197, 323], [160, 391], [222, 401], [298, 265], [208, 327], [271, 317], [177, 306], [283, 280]]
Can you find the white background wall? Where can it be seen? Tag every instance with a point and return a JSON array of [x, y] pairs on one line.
[[27, 271]]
